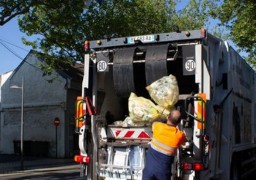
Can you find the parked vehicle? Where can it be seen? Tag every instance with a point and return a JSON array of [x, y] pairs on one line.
[[216, 99]]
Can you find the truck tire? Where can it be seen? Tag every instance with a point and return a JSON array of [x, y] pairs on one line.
[[235, 167]]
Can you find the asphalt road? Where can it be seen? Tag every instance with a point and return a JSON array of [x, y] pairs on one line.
[[65, 172], [54, 173]]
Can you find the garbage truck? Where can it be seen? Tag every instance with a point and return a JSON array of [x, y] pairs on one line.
[[216, 100]]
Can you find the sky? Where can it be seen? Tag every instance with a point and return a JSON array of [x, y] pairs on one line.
[[12, 50]]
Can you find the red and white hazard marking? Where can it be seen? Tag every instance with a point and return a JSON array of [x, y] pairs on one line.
[[138, 133]]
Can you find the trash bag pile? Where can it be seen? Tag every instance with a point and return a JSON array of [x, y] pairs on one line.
[[164, 92]]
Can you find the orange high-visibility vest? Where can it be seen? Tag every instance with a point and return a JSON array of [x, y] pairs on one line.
[[166, 139]]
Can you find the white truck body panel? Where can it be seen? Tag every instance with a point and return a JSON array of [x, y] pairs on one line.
[[202, 64]]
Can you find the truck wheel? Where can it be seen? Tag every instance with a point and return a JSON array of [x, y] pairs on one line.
[[234, 170], [234, 173]]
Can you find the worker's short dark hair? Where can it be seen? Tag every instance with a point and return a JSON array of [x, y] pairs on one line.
[[175, 120]]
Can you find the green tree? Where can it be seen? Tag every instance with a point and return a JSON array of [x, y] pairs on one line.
[[240, 18], [62, 26], [12, 8]]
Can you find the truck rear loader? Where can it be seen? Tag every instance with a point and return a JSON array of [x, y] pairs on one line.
[[216, 99]]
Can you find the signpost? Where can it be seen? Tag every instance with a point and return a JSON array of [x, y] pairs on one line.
[[56, 124], [21, 122]]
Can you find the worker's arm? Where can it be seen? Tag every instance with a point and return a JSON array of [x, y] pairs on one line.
[[183, 139]]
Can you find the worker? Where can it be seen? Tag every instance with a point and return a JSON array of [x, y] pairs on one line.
[[163, 146]]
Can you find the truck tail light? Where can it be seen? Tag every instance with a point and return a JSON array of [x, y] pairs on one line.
[[87, 45], [82, 159], [203, 33], [187, 166], [197, 166]]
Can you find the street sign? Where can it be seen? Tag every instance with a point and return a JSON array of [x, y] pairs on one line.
[[56, 121]]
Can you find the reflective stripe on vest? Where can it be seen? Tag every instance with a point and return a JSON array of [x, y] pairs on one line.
[[160, 147]]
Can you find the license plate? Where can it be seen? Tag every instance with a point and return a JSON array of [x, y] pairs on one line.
[[146, 38]]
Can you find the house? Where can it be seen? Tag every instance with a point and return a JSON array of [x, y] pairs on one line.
[[45, 99], [3, 78]]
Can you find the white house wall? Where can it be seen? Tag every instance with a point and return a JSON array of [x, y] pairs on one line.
[[43, 101], [3, 78]]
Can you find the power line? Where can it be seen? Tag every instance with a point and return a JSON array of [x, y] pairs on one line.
[[14, 53], [13, 45], [9, 49]]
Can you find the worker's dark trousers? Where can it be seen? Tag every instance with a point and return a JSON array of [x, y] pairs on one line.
[[158, 166]]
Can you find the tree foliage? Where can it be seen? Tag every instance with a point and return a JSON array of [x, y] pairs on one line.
[[61, 26], [240, 18], [12, 8]]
